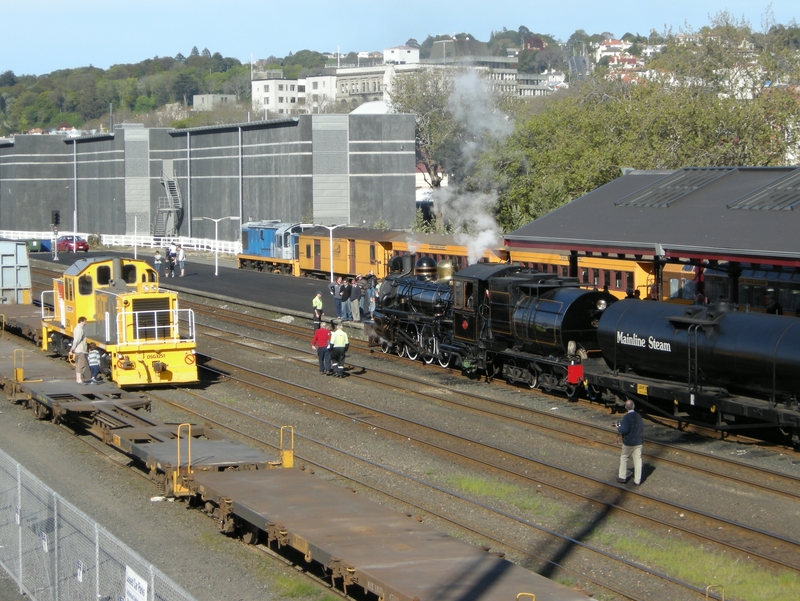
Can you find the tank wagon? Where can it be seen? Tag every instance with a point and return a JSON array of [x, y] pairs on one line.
[[136, 324], [736, 369]]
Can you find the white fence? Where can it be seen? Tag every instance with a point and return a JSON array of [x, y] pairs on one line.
[[54, 552], [230, 247]]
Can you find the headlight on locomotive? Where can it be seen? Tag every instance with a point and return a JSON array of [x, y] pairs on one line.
[[602, 304]]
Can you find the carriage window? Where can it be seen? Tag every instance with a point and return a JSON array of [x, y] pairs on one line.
[[584, 275], [629, 280], [595, 277], [129, 274], [103, 275], [606, 278], [372, 251], [85, 284], [308, 251], [564, 271]]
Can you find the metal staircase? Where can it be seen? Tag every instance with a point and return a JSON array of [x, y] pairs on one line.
[[170, 209]]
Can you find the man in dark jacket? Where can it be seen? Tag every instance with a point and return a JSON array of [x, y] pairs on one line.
[[632, 431], [344, 296]]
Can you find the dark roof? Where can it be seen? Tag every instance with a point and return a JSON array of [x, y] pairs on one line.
[[727, 213]]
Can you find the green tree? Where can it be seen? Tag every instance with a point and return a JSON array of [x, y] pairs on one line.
[[426, 94]]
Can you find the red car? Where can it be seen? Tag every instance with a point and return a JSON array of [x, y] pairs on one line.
[[71, 244]]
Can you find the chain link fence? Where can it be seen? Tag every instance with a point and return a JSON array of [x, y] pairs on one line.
[[54, 552]]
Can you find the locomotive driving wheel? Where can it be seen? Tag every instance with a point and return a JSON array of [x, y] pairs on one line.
[[411, 349], [385, 347], [512, 365], [444, 359]]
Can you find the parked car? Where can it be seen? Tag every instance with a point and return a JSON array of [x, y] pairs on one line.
[[72, 244]]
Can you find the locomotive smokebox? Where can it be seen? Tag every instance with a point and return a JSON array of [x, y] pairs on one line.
[[745, 352]]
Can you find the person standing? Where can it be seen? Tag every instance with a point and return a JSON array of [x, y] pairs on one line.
[[93, 358], [355, 300], [632, 431], [339, 345], [336, 287], [344, 295], [321, 344], [181, 259], [157, 259], [79, 350], [316, 306]]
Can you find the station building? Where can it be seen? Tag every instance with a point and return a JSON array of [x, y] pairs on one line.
[[730, 233], [325, 169]]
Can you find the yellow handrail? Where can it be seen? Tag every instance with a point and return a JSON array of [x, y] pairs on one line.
[[177, 488], [713, 586]]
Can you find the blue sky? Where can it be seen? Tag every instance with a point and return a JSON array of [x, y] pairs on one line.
[[45, 35]]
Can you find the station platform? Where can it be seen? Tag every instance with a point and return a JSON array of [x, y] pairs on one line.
[[385, 552]]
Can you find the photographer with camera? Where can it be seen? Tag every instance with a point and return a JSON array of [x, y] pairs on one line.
[[631, 428]]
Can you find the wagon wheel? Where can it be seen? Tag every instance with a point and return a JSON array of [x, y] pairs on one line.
[[510, 378], [249, 534], [572, 392]]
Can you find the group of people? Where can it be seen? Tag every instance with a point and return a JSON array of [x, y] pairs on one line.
[[354, 298], [175, 260], [331, 348]]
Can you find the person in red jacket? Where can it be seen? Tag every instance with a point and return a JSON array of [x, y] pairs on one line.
[[321, 343]]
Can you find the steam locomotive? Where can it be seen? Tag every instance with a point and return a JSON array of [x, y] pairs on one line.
[[696, 363]]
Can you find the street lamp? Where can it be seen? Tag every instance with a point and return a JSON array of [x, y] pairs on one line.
[[330, 229], [216, 236]]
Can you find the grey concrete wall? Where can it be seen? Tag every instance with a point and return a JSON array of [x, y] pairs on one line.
[[285, 172]]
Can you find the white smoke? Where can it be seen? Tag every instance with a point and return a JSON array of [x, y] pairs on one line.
[[471, 214], [413, 244]]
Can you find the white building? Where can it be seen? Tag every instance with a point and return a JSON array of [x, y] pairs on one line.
[[401, 55]]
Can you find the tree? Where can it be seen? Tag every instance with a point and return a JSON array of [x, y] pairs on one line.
[[412, 43], [206, 53], [180, 58], [581, 142], [184, 86], [194, 52], [425, 94], [8, 79]]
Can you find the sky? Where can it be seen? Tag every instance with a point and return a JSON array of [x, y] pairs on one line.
[[46, 35]]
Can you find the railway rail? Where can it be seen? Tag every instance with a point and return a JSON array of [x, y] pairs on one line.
[[778, 485]]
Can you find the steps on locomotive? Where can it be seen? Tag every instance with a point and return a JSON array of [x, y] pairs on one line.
[[387, 553]]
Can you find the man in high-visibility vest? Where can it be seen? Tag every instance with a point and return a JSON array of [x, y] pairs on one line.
[[339, 343], [317, 310]]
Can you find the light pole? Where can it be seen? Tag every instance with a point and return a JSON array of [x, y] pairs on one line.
[[330, 229], [216, 236]]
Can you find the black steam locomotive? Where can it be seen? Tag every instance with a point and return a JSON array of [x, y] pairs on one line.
[[697, 363], [528, 327]]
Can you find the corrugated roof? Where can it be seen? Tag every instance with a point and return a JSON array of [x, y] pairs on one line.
[[686, 212]]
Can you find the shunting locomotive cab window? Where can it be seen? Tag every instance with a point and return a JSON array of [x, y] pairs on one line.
[[129, 274], [103, 275], [85, 284]]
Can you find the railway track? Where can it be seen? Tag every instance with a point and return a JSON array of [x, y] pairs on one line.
[[592, 435]]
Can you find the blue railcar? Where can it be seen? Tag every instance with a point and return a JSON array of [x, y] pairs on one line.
[[271, 245]]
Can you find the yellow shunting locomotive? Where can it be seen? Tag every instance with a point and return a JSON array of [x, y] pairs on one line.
[[135, 324]]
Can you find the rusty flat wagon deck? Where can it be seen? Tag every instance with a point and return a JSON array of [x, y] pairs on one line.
[[385, 552]]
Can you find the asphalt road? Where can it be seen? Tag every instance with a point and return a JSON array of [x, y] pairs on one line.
[[282, 291]]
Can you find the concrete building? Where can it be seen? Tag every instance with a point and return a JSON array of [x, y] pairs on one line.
[[401, 55], [319, 168], [208, 102]]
